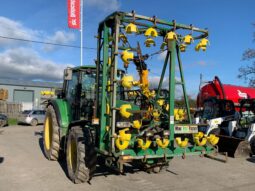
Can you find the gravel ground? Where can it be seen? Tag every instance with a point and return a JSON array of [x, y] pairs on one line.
[[24, 167]]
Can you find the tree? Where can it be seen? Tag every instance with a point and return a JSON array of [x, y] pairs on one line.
[[248, 72]]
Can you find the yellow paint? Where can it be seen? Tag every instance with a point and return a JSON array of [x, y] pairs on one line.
[[151, 32], [143, 145], [167, 107], [156, 114], [171, 36], [121, 145], [72, 154], [149, 42], [183, 47], [200, 142], [213, 140], [160, 102], [132, 93], [179, 114], [181, 143], [123, 139], [123, 38], [126, 56], [124, 112], [137, 124], [48, 133], [144, 79], [108, 85], [107, 109], [200, 135], [123, 135], [188, 39], [109, 61], [127, 81], [163, 144], [50, 93], [202, 44], [131, 28]]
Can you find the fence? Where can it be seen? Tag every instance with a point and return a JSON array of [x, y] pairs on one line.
[[10, 109]]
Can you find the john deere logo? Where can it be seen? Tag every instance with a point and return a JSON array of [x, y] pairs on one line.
[[242, 94]]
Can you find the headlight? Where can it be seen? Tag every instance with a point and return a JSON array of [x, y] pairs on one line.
[[123, 124]]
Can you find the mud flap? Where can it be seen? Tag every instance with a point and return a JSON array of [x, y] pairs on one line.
[[235, 147]]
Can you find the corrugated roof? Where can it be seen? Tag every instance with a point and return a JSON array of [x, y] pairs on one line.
[[30, 83]]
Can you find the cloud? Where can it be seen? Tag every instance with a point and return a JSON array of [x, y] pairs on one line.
[[60, 37], [154, 82], [15, 29], [26, 64], [104, 5], [162, 56]]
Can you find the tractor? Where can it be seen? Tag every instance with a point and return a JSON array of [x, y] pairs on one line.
[[235, 126], [105, 117]]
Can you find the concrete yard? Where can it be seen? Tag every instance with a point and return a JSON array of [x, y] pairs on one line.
[[25, 168]]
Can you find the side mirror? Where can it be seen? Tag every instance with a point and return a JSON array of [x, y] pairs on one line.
[[68, 73]]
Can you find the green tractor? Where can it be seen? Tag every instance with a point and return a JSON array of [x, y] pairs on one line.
[[104, 113]]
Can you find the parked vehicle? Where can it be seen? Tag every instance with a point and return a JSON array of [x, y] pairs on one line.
[[3, 120], [32, 117], [216, 89], [236, 129]]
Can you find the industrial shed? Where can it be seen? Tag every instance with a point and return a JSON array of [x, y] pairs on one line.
[[28, 93]]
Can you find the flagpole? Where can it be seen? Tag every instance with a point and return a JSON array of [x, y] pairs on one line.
[[81, 30]]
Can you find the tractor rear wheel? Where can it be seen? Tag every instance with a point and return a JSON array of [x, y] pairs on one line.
[[51, 138], [81, 156]]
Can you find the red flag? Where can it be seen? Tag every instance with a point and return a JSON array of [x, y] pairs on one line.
[[74, 8]]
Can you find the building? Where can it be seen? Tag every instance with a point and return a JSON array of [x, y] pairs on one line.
[[28, 93]]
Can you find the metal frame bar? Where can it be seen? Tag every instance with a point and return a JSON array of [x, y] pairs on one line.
[[114, 23]]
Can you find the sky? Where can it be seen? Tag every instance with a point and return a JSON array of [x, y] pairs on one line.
[[229, 24]]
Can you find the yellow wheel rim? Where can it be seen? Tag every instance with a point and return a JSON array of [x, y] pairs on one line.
[[72, 154], [48, 133]]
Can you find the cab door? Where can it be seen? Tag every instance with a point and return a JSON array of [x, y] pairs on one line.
[[72, 95]]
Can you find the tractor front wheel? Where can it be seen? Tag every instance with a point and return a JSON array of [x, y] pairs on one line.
[[81, 156], [51, 138]]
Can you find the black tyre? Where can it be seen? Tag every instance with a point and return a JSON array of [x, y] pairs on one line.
[[34, 122], [81, 156], [252, 144], [51, 136]]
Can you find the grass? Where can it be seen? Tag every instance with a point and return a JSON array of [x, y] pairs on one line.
[[12, 121]]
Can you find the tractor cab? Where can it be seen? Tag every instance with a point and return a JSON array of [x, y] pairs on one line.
[[79, 90]]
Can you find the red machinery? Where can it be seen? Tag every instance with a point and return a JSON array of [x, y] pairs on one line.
[[223, 91]]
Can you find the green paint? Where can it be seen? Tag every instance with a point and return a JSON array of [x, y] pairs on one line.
[[103, 117], [65, 114], [171, 48]]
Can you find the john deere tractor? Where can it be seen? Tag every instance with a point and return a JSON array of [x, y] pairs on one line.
[[103, 112]]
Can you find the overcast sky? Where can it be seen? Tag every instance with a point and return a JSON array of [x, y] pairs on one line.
[[229, 24]]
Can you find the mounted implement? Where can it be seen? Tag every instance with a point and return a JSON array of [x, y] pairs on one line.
[[97, 117]]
